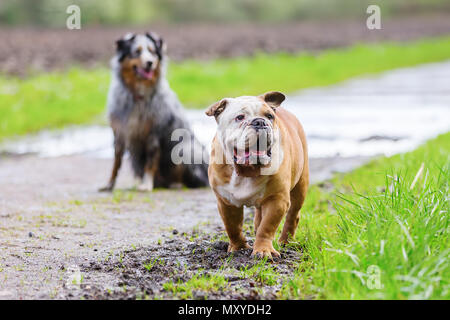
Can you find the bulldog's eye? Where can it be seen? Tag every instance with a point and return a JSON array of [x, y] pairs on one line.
[[138, 51], [240, 117], [269, 116]]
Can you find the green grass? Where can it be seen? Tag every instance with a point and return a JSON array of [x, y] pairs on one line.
[[78, 96], [262, 272], [51, 100], [198, 283], [378, 235]]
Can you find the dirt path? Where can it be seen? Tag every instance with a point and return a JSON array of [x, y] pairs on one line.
[[52, 219]]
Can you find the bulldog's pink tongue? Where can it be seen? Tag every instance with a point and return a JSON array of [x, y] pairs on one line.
[[258, 153], [243, 156]]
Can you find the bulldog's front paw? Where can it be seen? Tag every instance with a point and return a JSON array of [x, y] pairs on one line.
[[232, 247], [263, 249]]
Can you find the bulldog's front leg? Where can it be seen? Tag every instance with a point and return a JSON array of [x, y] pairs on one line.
[[273, 211], [233, 219]]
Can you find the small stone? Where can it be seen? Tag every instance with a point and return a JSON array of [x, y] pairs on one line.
[[233, 278], [220, 245], [30, 234], [175, 231]]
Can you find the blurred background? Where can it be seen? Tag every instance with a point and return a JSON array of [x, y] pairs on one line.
[[47, 13], [34, 34], [54, 78]]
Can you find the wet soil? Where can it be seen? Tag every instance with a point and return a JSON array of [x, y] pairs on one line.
[[144, 272], [53, 222], [29, 50]]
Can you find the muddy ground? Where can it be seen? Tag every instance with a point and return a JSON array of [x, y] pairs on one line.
[[26, 50], [145, 272], [53, 222]]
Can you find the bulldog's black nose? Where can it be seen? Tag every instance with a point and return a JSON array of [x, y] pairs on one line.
[[258, 123], [148, 65]]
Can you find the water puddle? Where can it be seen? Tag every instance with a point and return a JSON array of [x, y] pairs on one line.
[[378, 115]]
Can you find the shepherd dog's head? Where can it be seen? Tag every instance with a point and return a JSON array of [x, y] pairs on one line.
[[140, 58]]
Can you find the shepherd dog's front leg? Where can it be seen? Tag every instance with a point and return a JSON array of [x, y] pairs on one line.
[[119, 150], [153, 155]]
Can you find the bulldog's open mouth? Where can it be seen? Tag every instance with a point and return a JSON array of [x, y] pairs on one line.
[[143, 73], [252, 155]]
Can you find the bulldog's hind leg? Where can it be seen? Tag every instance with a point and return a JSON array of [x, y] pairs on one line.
[[233, 219], [119, 150], [298, 195]]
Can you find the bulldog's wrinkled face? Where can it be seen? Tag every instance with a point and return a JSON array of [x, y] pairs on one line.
[[247, 128], [140, 55]]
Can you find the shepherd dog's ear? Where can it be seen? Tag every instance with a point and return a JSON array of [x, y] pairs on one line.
[[160, 46], [120, 44], [123, 45], [216, 108]]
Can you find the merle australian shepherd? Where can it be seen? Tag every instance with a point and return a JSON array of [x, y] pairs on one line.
[[143, 113]]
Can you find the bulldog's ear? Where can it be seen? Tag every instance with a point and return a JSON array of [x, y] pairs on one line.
[[216, 108], [273, 98]]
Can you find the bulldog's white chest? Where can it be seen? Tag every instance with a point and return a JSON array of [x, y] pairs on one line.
[[242, 191]]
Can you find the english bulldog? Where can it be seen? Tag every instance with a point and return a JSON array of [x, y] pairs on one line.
[[258, 158]]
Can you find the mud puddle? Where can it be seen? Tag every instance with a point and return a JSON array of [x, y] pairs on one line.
[[194, 265]]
